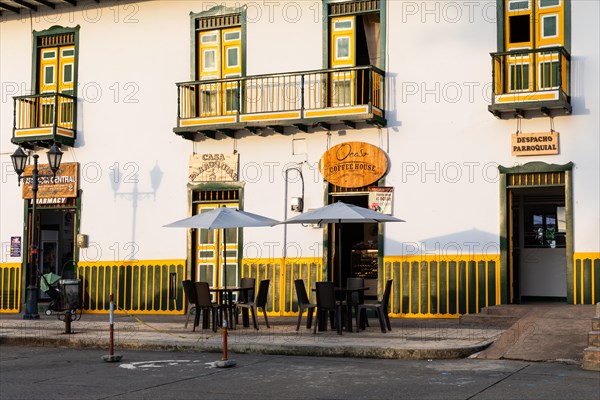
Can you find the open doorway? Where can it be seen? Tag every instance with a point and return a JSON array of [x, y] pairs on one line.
[[56, 238], [539, 238], [359, 247]]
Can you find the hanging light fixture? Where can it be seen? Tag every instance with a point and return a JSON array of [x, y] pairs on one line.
[[19, 160], [54, 158]]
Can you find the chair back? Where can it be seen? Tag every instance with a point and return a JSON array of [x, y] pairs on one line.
[[203, 295], [356, 283], [386, 295], [246, 296], [190, 291], [301, 292], [325, 295], [263, 292]]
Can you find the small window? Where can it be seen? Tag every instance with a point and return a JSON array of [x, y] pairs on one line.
[[67, 73], [49, 75], [209, 60], [519, 77], [550, 75], [49, 55], [549, 26], [518, 5], [342, 25], [342, 47], [549, 3], [541, 230], [209, 102], [519, 29], [233, 59], [209, 38], [342, 95], [231, 99], [231, 36]]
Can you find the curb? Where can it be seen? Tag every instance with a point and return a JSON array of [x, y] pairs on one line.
[[349, 350]]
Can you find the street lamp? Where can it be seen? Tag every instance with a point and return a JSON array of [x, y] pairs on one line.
[[19, 160]]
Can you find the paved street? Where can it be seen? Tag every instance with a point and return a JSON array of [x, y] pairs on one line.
[[57, 373]]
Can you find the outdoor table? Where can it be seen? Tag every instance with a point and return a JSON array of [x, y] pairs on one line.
[[345, 294], [224, 298]]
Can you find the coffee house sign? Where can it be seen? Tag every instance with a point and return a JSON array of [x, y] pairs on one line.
[[353, 164]]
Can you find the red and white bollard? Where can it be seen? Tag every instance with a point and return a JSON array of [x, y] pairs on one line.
[[111, 357]]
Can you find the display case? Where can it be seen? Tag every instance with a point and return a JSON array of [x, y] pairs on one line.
[[364, 263]]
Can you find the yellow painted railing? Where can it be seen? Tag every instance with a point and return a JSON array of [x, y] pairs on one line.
[[282, 295], [586, 278], [442, 286], [424, 286], [144, 287], [10, 284]]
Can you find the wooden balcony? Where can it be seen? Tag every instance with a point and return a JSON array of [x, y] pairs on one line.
[[281, 102], [531, 83], [42, 119]]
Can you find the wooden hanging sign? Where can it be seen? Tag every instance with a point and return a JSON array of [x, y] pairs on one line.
[[353, 164], [534, 144]]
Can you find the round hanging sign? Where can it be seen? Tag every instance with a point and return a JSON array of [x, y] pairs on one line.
[[353, 164]]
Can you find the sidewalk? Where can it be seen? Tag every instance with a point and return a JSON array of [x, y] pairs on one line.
[[408, 339]]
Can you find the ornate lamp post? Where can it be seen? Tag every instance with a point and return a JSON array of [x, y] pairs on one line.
[[19, 160]]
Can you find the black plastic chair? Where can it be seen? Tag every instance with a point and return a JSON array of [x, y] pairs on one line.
[[260, 302], [190, 294], [357, 297], [326, 304], [380, 308], [245, 296], [204, 304], [304, 304]]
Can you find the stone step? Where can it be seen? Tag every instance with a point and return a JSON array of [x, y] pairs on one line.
[[591, 359], [501, 321], [506, 309], [596, 324], [594, 339]]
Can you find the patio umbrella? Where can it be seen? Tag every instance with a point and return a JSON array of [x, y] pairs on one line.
[[341, 213], [223, 218]]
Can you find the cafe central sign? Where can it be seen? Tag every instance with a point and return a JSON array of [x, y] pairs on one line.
[[52, 189], [534, 144], [353, 164]]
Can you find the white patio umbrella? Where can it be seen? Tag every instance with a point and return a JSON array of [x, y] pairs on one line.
[[223, 218], [341, 213]]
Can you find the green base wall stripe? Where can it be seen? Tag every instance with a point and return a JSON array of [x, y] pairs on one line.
[[586, 278], [144, 287], [426, 286], [10, 287]]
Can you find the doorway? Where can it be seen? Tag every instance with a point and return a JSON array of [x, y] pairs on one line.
[[538, 247], [359, 247], [55, 230]]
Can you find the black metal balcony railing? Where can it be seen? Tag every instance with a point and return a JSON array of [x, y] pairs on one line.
[[531, 80], [47, 117], [296, 97]]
